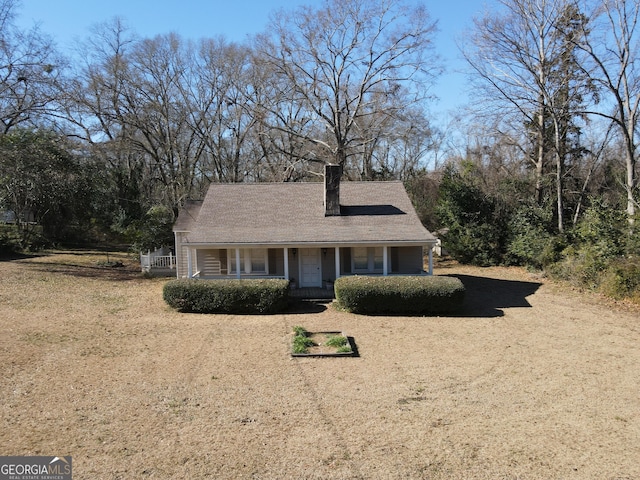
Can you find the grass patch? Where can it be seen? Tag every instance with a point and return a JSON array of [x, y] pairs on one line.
[[301, 340], [298, 330], [336, 341], [319, 343], [301, 344]]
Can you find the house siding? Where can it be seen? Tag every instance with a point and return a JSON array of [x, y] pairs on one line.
[[345, 260], [409, 260], [276, 262], [402, 260], [328, 263], [212, 262], [181, 253]]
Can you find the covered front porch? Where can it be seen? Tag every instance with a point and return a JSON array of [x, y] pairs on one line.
[[305, 266]]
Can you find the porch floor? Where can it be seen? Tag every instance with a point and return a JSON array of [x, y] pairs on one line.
[[311, 293]]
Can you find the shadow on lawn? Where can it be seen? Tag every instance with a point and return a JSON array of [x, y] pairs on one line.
[[484, 297], [303, 307], [12, 256], [115, 273], [105, 264], [487, 297]]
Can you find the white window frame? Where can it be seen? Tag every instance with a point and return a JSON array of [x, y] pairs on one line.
[[254, 254], [247, 255], [371, 260], [354, 269]]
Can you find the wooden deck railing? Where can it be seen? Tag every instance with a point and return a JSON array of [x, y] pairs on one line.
[[151, 262]]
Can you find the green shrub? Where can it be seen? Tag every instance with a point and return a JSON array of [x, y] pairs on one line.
[[8, 244], [603, 256], [603, 229], [582, 268], [227, 296], [475, 222], [400, 294], [622, 279], [530, 242], [632, 239]]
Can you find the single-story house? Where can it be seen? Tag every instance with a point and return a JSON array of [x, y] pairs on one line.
[[308, 233]]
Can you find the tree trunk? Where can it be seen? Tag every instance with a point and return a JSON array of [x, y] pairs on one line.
[[540, 155], [630, 163], [559, 190]]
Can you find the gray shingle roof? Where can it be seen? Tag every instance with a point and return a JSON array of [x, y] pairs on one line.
[[293, 213], [188, 216]]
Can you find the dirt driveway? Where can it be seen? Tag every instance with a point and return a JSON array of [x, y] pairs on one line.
[[530, 381]]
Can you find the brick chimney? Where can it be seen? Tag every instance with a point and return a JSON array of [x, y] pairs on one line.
[[332, 174]]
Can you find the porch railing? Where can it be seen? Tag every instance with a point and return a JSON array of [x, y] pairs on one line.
[[156, 262]]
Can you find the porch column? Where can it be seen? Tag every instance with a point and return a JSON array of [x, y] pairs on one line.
[[337, 256], [385, 261], [238, 266], [178, 243], [189, 263], [286, 263], [430, 260]]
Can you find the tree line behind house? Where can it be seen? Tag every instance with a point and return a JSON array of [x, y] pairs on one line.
[[540, 169]]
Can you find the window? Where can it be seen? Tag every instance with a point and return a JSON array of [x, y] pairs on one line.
[[252, 261], [232, 260], [378, 262], [360, 259], [258, 260], [367, 259]]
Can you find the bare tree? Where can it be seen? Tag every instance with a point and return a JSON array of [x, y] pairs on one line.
[[93, 102], [219, 98], [129, 103], [29, 70], [342, 65], [613, 50], [157, 115], [94, 93], [396, 146], [524, 56]]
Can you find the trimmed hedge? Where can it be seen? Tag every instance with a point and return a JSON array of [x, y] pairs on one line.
[[227, 296], [400, 294]]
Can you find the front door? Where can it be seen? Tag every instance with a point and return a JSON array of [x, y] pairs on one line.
[[310, 273]]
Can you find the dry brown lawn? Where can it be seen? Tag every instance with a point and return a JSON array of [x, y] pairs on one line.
[[530, 381]]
